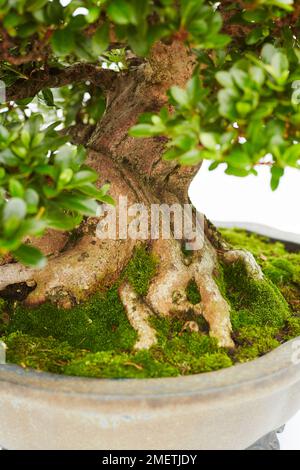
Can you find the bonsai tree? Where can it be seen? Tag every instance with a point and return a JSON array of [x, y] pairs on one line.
[[110, 98]]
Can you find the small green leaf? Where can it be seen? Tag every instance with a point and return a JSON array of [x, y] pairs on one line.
[[180, 96], [209, 140], [276, 173], [48, 97], [63, 41], [121, 12], [142, 130], [32, 199], [100, 40], [192, 157], [30, 256], [16, 188], [13, 213], [225, 79]]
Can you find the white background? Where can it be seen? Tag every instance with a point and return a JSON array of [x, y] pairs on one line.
[[227, 198]]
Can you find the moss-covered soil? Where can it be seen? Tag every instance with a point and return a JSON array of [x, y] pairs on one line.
[[96, 340]]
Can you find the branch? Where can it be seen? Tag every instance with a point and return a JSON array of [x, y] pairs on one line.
[[56, 77]]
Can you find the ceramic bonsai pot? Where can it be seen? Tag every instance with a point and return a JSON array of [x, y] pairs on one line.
[[228, 409]]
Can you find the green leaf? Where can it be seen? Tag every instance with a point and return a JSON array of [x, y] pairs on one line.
[[32, 199], [276, 173], [180, 96], [254, 16], [256, 35], [7, 158], [63, 41], [194, 90], [65, 177], [59, 220], [48, 97], [268, 52], [79, 204], [285, 4], [30, 256], [240, 77], [16, 188], [192, 157], [32, 5], [54, 12], [82, 177], [100, 40], [210, 140], [243, 108], [292, 155], [142, 130], [257, 75], [13, 213], [234, 171], [280, 65], [239, 159], [121, 12], [225, 79]]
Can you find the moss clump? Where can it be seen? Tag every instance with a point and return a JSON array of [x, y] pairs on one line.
[[95, 339], [43, 354], [3, 316], [97, 325], [120, 365], [100, 324], [192, 293], [254, 341], [189, 352], [292, 327], [255, 302], [256, 244], [279, 265], [140, 270]]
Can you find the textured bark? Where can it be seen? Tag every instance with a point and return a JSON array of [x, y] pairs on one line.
[[56, 77]]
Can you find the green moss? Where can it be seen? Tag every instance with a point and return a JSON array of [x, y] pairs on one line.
[[109, 364], [279, 265], [3, 325], [293, 327], [192, 293], [44, 354], [254, 302], [140, 270], [189, 352], [98, 325], [95, 339], [254, 341], [256, 244]]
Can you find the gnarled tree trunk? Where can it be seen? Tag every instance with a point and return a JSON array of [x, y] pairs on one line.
[[135, 169]]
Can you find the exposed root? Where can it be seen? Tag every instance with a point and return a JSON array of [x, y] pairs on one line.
[[167, 292], [75, 274], [138, 315], [15, 273], [216, 310]]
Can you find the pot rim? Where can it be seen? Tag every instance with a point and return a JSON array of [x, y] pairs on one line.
[[262, 374]]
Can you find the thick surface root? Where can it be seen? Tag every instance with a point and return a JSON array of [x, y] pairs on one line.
[[15, 273], [138, 314], [167, 293]]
